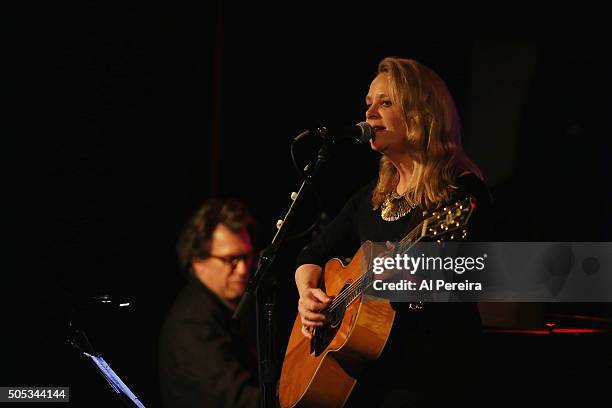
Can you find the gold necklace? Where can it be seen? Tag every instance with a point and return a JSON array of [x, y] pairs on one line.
[[395, 207]]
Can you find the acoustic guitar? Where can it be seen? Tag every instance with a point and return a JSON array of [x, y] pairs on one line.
[[322, 371]]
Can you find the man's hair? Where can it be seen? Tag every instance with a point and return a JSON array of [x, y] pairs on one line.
[[196, 236]]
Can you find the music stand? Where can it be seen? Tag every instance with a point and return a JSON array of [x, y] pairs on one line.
[[114, 381], [80, 341]]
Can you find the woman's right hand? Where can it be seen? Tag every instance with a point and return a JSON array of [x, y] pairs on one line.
[[312, 302]]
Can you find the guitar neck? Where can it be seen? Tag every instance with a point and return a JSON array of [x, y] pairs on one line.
[[446, 221]]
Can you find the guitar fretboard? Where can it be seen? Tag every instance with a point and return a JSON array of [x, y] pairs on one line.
[[439, 223]]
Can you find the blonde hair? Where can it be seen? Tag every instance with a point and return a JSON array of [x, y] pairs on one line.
[[434, 131]]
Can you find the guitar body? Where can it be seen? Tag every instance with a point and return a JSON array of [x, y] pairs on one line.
[[323, 372]]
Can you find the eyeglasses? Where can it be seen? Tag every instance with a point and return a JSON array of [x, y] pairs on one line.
[[233, 260]]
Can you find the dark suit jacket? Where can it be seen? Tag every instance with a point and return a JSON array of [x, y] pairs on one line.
[[204, 357]]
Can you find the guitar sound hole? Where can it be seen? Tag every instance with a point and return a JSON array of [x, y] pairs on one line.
[[324, 335]]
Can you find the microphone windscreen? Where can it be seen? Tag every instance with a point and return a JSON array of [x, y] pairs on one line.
[[367, 132]]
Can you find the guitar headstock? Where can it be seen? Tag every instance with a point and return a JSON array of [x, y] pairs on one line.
[[449, 221]]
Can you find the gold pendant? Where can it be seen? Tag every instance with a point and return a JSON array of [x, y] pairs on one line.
[[394, 209]]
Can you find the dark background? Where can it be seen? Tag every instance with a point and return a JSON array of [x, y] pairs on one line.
[[134, 115]]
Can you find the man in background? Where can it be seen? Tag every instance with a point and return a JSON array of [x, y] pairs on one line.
[[205, 359]]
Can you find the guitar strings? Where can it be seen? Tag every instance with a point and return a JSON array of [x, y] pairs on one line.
[[353, 286], [348, 291], [351, 289]]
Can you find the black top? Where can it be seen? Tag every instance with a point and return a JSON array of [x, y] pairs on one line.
[[204, 357], [424, 346], [357, 223]]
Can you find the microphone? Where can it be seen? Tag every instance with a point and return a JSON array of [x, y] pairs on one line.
[[362, 132]]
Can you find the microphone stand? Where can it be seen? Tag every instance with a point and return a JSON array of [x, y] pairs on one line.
[[263, 286]]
